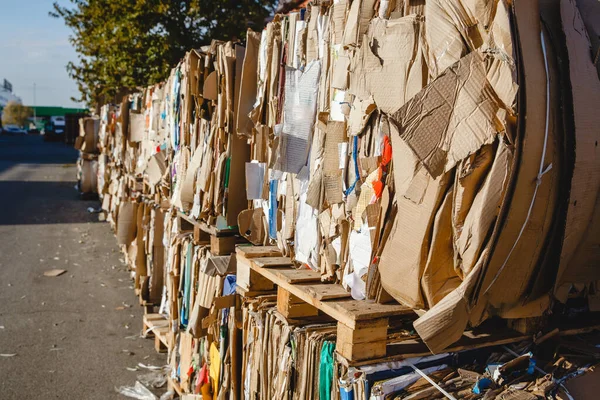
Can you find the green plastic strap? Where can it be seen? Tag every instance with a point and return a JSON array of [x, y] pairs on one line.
[[227, 169]]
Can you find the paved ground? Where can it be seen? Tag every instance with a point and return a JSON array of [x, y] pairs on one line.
[[73, 335]]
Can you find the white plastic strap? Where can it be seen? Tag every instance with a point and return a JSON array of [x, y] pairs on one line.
[[435, 385], [542, 170]]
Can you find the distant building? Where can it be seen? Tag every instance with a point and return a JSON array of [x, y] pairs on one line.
[[49, 111], [47, 114], [6, 94]]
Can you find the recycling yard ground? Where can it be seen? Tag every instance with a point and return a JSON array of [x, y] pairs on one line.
[[75, 335]]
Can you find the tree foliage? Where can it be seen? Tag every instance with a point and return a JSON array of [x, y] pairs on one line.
[[16, 114], [123, 44]]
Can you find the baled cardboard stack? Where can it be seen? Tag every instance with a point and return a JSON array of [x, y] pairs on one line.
[[87, 163], [416, 152], [438, 154]]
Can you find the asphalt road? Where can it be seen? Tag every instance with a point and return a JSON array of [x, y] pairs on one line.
[[71, 336]]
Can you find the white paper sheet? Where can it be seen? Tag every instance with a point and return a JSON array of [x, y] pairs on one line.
[[299, 116], [255, 177]]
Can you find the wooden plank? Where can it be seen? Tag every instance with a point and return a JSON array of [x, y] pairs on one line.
[[251, 293], [201, 237], [269, 262], [175, 386], [292, 276], [160, 339], [258, 251], [326, 291], [213, 230], [159, 323], [224, 301], [151, 317], [210, 229], [222, 245], [249, 279], [291, 306], [367, 340], [185, 225]]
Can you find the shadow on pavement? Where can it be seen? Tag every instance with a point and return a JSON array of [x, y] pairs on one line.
[[35, 202], [27, 196]]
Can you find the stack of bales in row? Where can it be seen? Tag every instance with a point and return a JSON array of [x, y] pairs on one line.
[[442, 155]]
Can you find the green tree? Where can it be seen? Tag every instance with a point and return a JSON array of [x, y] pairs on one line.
[[16, 114], [123, 44]]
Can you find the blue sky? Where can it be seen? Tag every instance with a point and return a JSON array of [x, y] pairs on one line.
[[34, 47]]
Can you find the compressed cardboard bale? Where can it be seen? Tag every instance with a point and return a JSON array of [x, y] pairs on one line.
[[89, 176], [523, 233], [482, 287], [449, 119], [88, 129]]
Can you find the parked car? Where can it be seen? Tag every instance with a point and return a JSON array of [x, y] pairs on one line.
[[52, 132], [13, 130]]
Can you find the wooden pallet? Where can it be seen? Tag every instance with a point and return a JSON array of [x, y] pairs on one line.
[[174, 385], [222, 241], [158, 326], [362, 326], [366, 331]]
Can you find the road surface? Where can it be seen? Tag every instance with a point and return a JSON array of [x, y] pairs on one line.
[[72, 336]]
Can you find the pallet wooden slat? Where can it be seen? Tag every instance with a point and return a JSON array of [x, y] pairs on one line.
[[258, 251], [157, 325], [268, 262], [293, 276], [325, 291], [210, 229]]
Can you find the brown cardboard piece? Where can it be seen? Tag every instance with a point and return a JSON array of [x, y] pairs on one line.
[[251, 226], [126, 225], [451, 32], [140, 259], [157, 165], [590, 13], [236, 200], [187, 186], [483, 210], [404, 256], [580, 255], [389, 65], [338, 20], [439, 277], [89, 176], [209, 90], [137, 124], [247, 96], [465, 116], [158, 258], [357, 21]]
